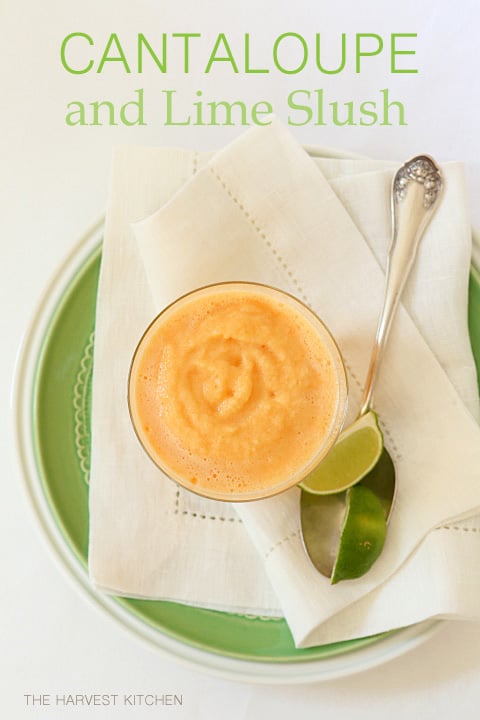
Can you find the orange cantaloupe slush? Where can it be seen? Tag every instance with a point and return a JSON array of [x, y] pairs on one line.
[[237, 390]]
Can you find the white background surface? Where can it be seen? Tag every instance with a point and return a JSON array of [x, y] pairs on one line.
[[53, 186]]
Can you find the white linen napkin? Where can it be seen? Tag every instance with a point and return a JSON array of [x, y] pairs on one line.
[[263, 210]]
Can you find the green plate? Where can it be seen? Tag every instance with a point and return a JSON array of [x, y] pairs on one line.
[[54, 412]]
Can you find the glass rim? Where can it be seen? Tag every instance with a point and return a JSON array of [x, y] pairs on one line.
[[338, 416]]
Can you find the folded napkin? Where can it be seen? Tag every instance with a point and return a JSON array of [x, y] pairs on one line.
[[318, 227]]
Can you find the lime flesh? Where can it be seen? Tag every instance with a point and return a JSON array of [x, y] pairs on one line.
[[353, 456], [362, 536]]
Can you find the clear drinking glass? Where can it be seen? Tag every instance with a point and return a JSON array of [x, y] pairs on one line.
[[188, 304]]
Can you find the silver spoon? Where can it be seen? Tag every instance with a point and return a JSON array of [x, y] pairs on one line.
[[416, 190]]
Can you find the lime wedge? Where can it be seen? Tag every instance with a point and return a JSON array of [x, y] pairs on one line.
[[355, 453], [362, 536]]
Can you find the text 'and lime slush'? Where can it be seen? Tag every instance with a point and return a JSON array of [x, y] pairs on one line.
[[237, 391]]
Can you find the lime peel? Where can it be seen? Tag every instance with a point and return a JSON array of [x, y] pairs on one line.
[[353, 456], [362, 536]]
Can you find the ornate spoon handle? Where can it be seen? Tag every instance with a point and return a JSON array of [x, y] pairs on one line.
[[417, 185]]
